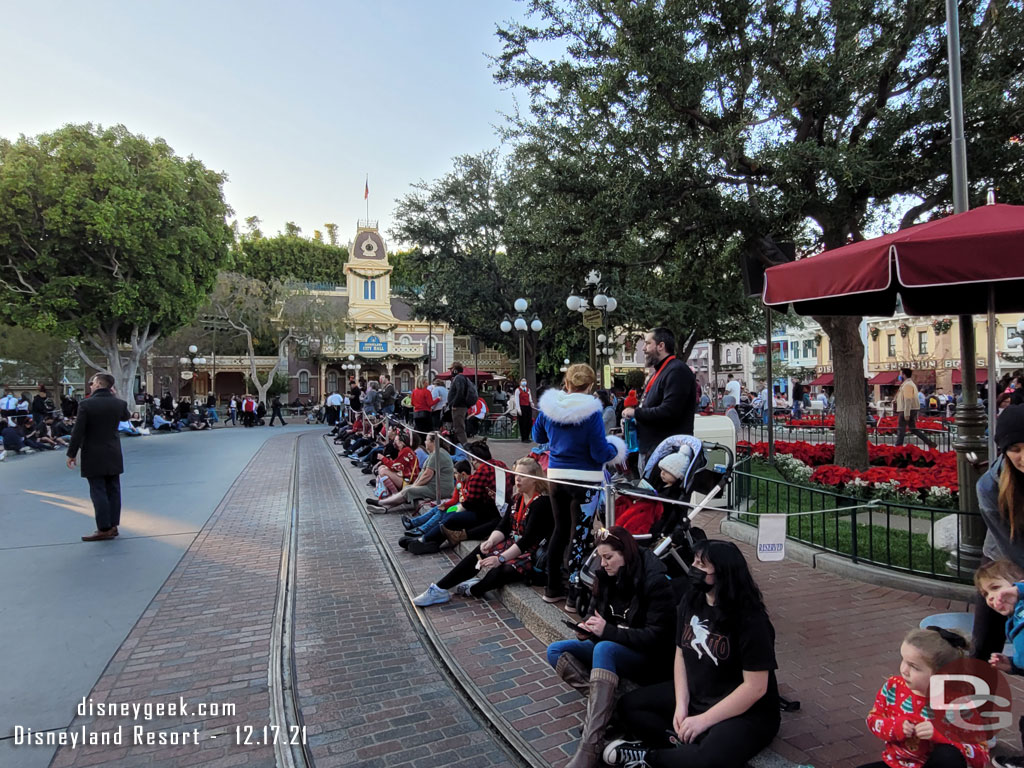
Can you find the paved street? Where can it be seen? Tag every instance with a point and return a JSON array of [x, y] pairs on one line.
[[190, 605], [67, 605]]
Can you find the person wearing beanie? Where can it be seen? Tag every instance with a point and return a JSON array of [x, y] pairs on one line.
[[673, 467], [1001, 499]]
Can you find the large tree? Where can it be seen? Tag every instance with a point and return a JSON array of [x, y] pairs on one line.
[[811, 119], [32, 356], [107, 238]]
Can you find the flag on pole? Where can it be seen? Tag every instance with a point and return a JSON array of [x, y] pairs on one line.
[[366, 189]]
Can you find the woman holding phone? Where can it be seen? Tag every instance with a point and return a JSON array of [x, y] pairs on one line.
[[628, 634]]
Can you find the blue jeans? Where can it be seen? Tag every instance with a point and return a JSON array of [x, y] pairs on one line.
[[432, 514], [604, 654], [432, 530], [389, 409]]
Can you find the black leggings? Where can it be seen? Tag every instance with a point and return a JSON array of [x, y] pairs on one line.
[[646, 714], [466, 569], [565, 506], [942, 756]]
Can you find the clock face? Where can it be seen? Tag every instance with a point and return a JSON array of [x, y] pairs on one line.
[[368, 245]]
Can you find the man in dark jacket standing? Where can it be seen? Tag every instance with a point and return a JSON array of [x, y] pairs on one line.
[[461, 397], [670, 397], [95, 433]]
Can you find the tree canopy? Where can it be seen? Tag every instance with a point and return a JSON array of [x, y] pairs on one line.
[[723, 121], [107, 237]]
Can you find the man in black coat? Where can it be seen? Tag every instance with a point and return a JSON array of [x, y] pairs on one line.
[[461, 397], [95, 433], [670, 398]]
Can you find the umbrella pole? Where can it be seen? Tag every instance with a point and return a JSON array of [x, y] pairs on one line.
[[770, 405], [993, 392], [970, 416]]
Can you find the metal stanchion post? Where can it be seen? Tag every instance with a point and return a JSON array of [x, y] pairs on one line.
[[609, 506]]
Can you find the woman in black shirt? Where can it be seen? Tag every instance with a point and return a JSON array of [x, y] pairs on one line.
[[507, 554], [722, 706]]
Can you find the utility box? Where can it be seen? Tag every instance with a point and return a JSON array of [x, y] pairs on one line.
[[715, 429]]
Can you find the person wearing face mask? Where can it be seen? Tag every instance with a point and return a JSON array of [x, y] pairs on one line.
[[722, 706], [521, 404], [628, 634]]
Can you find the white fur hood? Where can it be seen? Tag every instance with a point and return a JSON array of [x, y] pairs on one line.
[[568, 407]]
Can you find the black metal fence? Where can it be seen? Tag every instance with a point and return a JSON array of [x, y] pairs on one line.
[[916, 539]]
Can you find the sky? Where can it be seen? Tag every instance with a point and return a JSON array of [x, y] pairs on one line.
[[297, 102]]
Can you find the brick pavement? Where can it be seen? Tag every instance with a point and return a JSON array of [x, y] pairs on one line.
[[370, 694], [206, 635], [503, 658], [837, 640]]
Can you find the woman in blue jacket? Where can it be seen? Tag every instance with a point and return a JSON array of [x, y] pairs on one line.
[[570, 423]]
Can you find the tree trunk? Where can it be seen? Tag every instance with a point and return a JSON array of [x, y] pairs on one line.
[[851, 404], [121, 364]]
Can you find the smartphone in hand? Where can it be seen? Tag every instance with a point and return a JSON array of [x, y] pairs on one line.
[[577, 628]]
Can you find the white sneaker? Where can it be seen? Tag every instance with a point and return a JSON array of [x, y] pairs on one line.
[[462, 590], [3, 455], [27, 451], [433, 595]]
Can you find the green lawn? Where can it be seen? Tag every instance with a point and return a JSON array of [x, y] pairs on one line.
[[834, 530]]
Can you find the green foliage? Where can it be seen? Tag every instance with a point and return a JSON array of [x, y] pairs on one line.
[[289, 257], [102, 230], [635, 380], [32, 356], [667, 129]]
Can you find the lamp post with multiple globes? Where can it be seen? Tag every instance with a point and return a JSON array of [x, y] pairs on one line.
[[522, 325], [594, 303], [192, 359]]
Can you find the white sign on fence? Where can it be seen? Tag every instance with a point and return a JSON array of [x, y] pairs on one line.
[[771, 538]]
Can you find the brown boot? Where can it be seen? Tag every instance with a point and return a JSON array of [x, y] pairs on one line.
[[573, 673], [454, 537], [600, 707]]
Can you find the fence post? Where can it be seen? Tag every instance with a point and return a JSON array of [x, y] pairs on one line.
[[609, 506], [853, 534]]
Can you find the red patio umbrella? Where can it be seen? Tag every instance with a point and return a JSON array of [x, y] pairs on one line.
[[949, 262]]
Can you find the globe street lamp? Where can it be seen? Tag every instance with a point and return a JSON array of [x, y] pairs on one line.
[[594, 303], [520, 323], [192, 360]]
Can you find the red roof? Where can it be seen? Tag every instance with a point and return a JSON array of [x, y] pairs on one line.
[[946, 262], [981, 373], [884, 379], [825, 380]]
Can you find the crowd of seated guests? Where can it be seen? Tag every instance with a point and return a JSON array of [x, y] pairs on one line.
[[698, 652]]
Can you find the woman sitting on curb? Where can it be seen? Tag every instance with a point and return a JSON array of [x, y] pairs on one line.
[[722, 706], [629, 635], [507, 554], [476, 513]]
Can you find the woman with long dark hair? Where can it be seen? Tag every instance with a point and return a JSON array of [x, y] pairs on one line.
[[1001, 499], [722, 706], [628, 634]]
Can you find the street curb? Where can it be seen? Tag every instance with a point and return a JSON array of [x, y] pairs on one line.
[[841, 566]]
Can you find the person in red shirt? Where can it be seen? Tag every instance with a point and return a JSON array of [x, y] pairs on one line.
[[902, 718], [522, 407], [402, 469], [423, 402]]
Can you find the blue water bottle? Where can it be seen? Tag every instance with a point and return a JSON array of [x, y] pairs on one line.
[[629, 435]]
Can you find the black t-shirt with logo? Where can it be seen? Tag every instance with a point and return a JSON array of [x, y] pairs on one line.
[[715, 659]]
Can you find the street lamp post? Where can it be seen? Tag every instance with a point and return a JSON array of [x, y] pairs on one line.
[[595, 305], [520, 323], [192, 360]]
